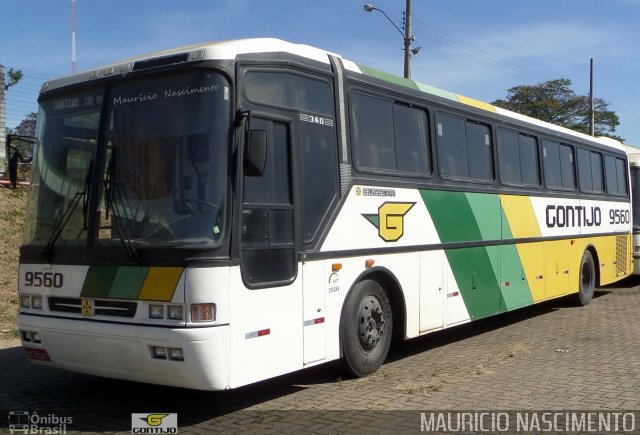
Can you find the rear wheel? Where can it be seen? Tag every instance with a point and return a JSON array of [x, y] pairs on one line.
[[366, 328], [587, 279]]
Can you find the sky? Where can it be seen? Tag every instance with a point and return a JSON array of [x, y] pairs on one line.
[[476, 48]]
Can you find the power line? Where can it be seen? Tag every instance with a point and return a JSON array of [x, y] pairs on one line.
[[452, 43]]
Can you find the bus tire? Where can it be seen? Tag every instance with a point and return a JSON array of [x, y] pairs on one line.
[[367, 328], [587, 279]]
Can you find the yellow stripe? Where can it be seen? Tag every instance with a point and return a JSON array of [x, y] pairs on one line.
[[476, 103], [522, 222], [532, 258], [520, 215], [160, 284]]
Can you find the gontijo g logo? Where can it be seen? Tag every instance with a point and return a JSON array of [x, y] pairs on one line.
[[390, 219], [154, 423]]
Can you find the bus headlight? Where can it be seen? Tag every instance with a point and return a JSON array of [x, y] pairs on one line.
[[36, 302], [175, 312], [156, 311], [25, 301]]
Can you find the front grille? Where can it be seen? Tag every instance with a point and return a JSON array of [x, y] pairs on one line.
[[100, 307], [115, 308], [65, 305]]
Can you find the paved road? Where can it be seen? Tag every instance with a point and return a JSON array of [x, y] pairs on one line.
[[553, 356]]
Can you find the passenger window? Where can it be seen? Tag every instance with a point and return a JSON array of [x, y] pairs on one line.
[[452, 149], [464, 149], [509, 157], [567, 167], [479, 155], [589, 171], [559, 169], [616, 175], [529, 160], [410, 131], [373, 138], [319, 174]]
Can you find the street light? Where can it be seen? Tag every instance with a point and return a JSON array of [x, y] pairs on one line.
[[407, 36]]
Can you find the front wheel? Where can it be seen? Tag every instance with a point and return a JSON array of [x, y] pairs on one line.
[[587, 279], [366, 328]]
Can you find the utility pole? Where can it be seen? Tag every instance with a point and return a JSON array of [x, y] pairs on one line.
[[3, 133], [592, 107], [408, 37]]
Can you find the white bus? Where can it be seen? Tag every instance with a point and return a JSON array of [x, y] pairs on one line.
[[219, 214], [633, 154]]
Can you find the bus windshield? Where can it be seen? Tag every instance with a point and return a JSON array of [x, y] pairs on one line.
[[163, 147]]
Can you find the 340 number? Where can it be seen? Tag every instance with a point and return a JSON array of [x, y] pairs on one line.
[[43, 279]]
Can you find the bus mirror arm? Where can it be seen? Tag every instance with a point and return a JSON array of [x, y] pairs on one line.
[[255, 156]]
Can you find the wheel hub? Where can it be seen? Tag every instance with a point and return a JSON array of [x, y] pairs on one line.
[[370, 323]]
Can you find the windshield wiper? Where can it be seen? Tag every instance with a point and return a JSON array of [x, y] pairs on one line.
[[68, 212], [111, 188]]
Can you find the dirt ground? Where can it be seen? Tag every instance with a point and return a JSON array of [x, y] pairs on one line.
[[12, 211]]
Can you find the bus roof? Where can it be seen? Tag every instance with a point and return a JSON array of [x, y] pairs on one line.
[[231, 49]]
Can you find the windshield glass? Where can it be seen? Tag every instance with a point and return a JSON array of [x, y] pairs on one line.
[[165, 170], [66, 147], [166, 160]]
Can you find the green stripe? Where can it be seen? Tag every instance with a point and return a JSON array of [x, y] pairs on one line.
[[127, 282], [98, 281], [518, 293], [475, 269], [388, 77], [438, 92]]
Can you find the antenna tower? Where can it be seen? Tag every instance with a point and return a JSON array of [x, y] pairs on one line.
[[73, 36]]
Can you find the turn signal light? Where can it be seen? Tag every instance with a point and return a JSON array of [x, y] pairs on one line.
[[203, 312]]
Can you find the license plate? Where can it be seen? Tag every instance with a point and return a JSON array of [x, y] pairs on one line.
[[37, 354]]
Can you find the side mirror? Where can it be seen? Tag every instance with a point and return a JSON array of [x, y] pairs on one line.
[[255, 156]]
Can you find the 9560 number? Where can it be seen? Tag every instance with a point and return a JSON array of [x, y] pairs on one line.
[[43, 279]]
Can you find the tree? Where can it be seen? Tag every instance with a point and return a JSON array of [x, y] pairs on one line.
[[14, 77], [27, 126], [554, 101]]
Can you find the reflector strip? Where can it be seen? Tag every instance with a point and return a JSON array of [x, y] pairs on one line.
[[507, 284], [255, 334], [313, 321], [454, 294]]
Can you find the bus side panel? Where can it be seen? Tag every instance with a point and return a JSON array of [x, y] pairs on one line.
[[314, 316], [522, 223], [265, 330], [561, 272]]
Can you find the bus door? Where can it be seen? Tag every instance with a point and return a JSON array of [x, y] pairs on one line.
[[268, 256], [301, 106]]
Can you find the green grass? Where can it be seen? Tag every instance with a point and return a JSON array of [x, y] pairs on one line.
[[12, 213]]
